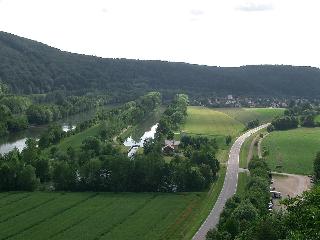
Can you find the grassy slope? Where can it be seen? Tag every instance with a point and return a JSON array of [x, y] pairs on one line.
[[76, 140], [294, 150], [244, 115], [210, 122]]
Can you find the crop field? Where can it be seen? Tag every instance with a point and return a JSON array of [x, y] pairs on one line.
[[244, 115], [292, 151], [205, 121], [44, 215]]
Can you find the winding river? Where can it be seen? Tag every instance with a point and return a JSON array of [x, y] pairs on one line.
[[134, 145], [17, 140]]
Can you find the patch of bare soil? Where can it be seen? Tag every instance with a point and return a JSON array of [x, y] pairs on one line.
[[290, 185]]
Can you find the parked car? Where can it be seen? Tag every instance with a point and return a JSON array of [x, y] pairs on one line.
[[275, 194]]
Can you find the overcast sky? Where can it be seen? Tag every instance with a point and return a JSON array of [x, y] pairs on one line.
[[211, 32]]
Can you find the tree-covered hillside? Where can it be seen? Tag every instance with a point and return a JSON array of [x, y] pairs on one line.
[[32, 67]]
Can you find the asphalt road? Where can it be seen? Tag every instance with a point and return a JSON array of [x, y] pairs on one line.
[[229, 186]]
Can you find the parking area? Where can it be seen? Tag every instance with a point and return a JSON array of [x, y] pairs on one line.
[[289, 185]]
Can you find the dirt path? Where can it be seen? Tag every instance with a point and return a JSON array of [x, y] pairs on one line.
[[250, 153], [259, 145], [290, 184]]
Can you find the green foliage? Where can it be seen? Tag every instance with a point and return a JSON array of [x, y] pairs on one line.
[[307, 121], [316, 167], [173, 116], [218, 235], [285, 123], [39, 114], [27, 179], [52, 135], [64, 176], [17, 123], [242, 212], [15, 174], [31, 67], [16, 104], [228, 140], [303, 215], [252, 124], [42, 167]]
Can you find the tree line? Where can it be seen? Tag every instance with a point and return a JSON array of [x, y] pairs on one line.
[[18, 112], [297, 114], [30, 67]]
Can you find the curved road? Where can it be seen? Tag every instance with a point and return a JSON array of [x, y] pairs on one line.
[[229, 186]]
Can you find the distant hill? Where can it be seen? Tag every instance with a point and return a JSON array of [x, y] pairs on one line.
[[32, 67]]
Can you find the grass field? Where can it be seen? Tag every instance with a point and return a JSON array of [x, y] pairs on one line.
[[76, 140], [205, 121], [244, 115], [293, 151], [43, 215]]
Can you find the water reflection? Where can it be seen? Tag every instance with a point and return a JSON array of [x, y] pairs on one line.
[[18, 140], [134, 145]]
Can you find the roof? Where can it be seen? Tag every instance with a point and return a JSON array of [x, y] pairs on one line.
[[168, 146], [171, 142]]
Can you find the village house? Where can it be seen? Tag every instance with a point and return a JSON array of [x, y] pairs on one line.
[[170, 146]]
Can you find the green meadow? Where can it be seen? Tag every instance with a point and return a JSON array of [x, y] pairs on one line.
[[210, 122], [244, 115], [292, 151]]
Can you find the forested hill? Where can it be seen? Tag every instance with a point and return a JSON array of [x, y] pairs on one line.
[[32, 67]]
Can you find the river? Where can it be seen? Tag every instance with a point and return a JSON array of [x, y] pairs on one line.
[[17, 140], [134, 145]]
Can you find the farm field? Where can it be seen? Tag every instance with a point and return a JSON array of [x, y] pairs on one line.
[[292, 151], [44, 215], [210, 122], [244, 115]]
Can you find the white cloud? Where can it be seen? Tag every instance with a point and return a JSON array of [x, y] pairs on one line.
[[254, 6], [161, 29], [196, 12]]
